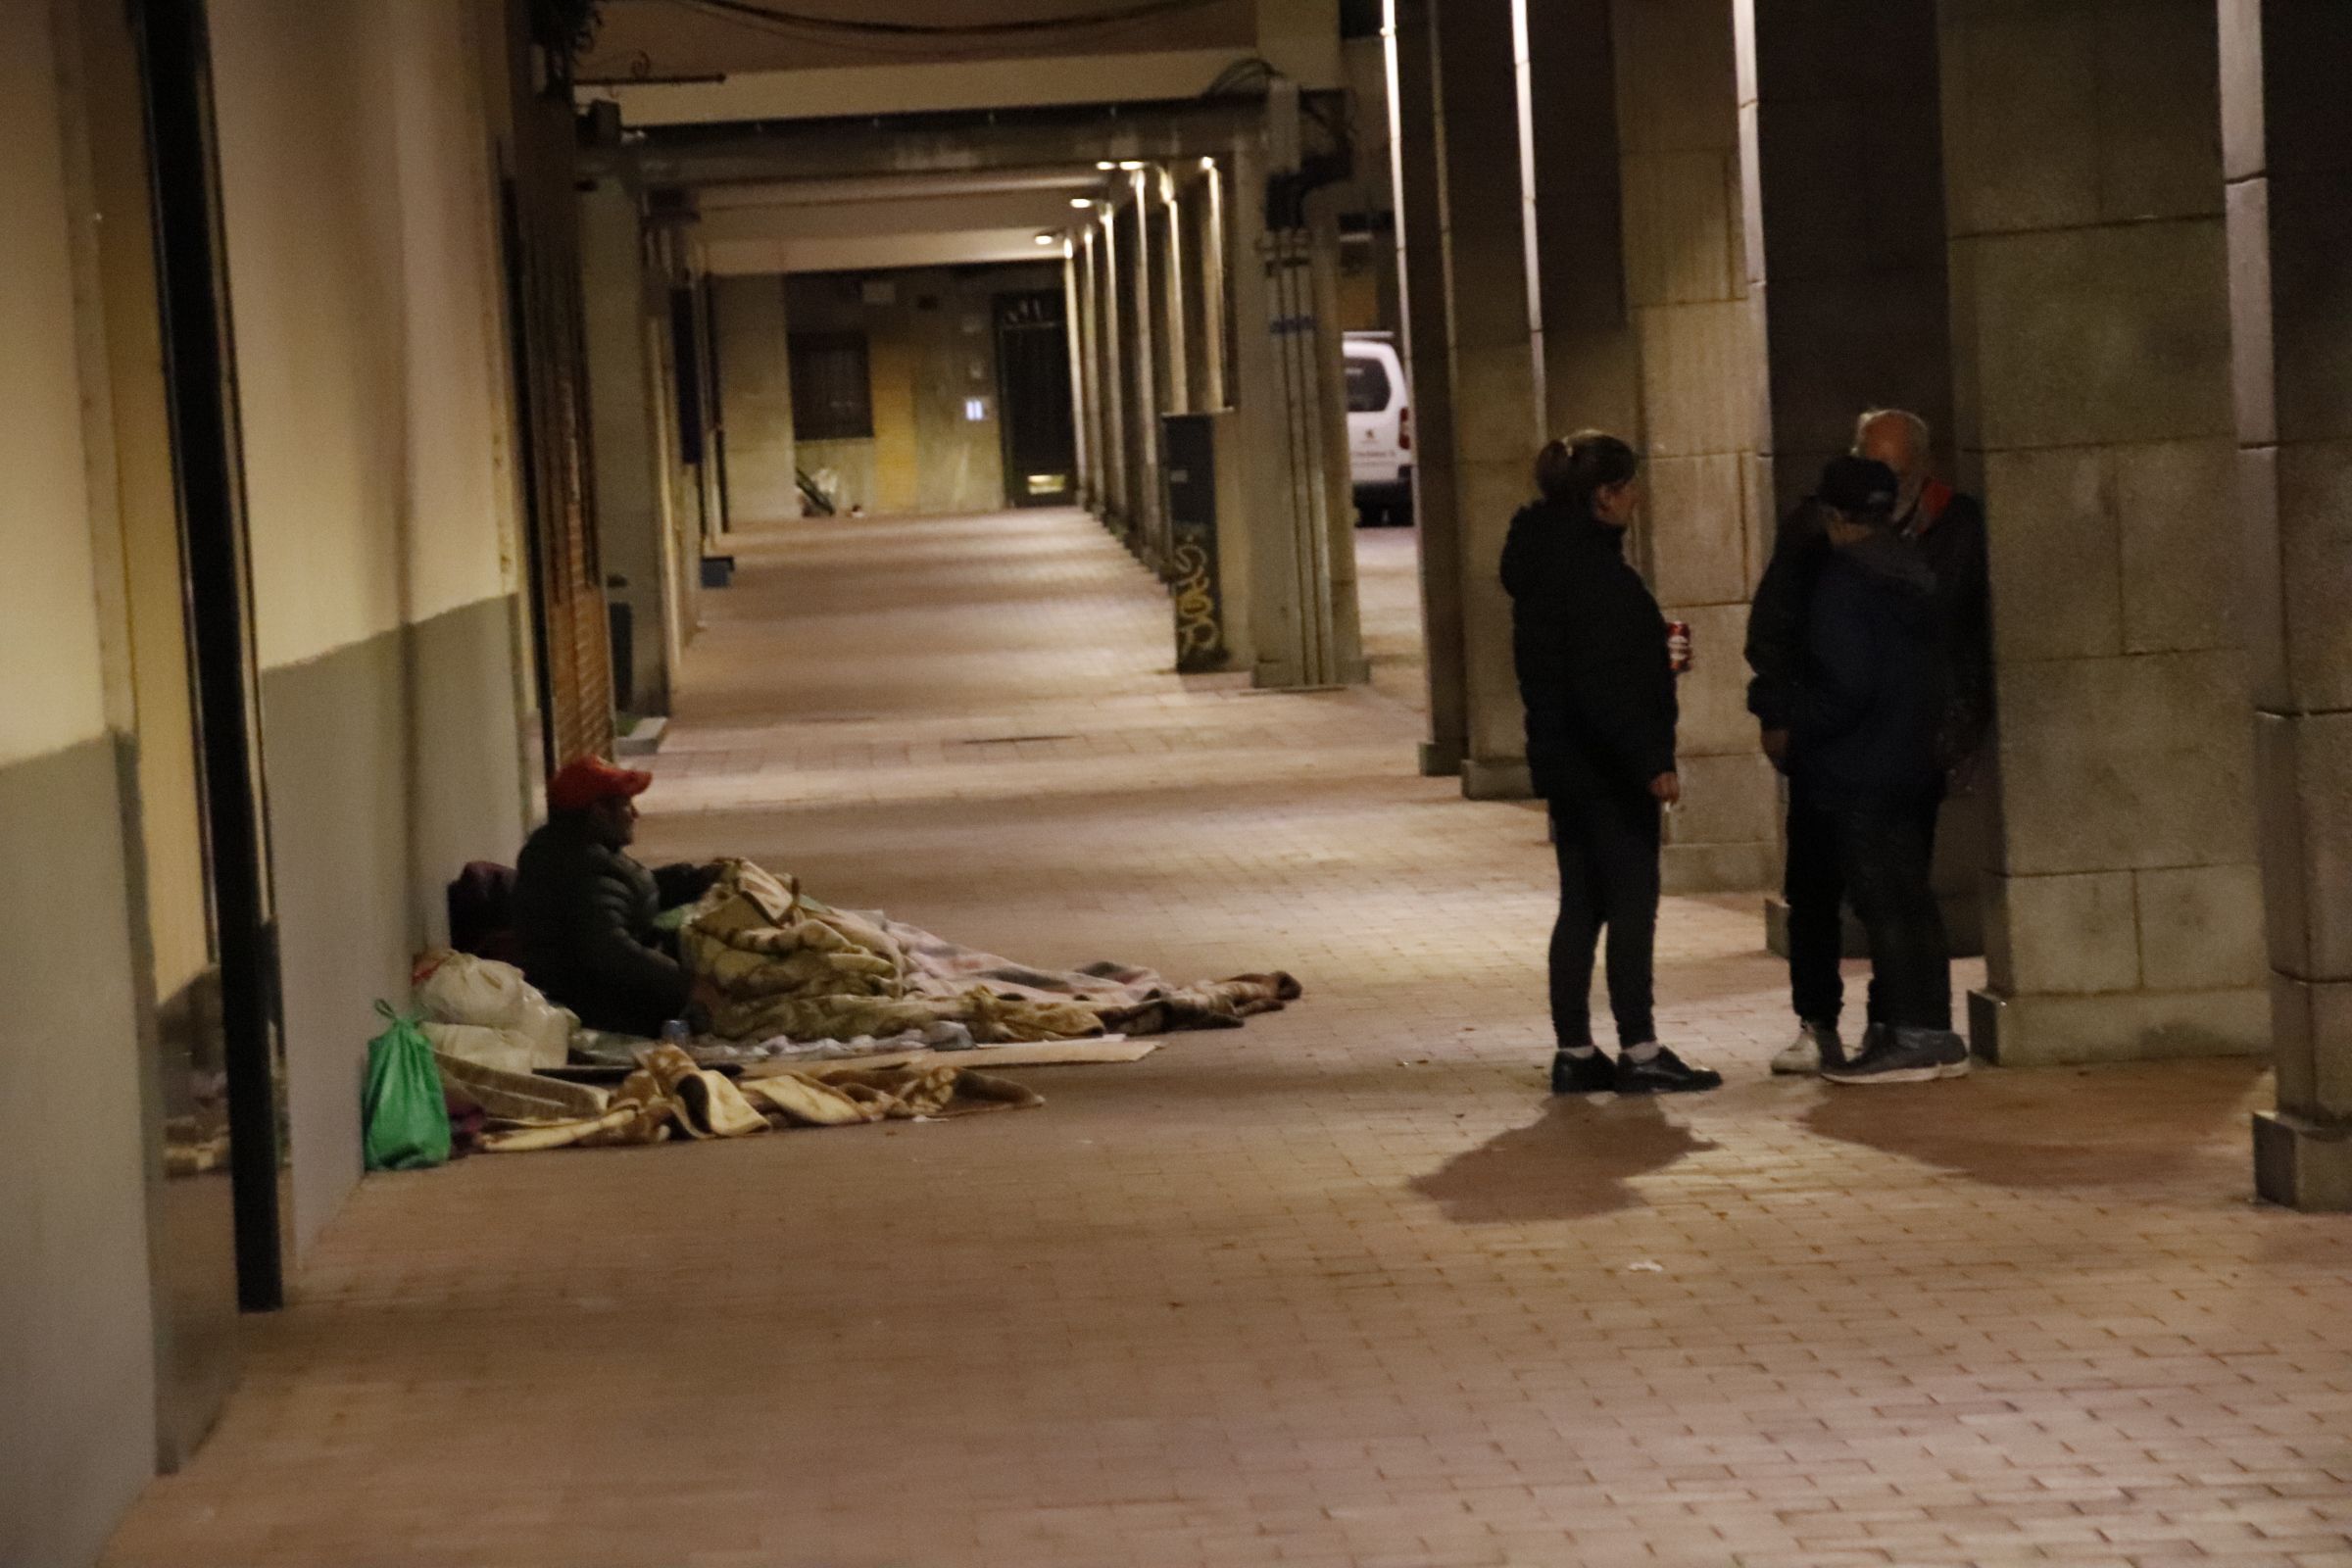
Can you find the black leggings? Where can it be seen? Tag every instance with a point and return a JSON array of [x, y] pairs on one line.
[[1608, 854]]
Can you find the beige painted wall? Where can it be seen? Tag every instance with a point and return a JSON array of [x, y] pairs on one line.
[[363, 269], [48, 616], [78, 1391], [358, 177]]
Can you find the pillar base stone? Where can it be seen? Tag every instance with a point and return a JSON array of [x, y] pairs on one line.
[[2302, 1164], [1440, 759], [1497, 778], [2049, 1031], [1720, 867]]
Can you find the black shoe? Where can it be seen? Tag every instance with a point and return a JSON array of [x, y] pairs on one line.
[[1594, 1074], [1664, 1074], [1906, 1057]]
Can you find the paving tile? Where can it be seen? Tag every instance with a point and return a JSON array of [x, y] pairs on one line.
[[1340, 1288]]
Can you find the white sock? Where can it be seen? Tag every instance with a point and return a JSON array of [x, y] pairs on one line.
[[1580, 1053], [1648, 1051]]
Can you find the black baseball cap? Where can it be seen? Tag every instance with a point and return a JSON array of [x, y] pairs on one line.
[[1859, 488]]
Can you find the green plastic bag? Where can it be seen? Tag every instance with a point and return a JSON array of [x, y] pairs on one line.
[[407, 1120]]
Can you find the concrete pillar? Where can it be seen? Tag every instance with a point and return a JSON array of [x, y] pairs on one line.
[[1848, 169], [1142, 479], [1491, 353], [1215, 290], [1290, 436], [1112, 375], [1424, 314], [1589, 354], [627, 432], [2090, 311], [1697, 319], [1074, 335], [2288, 157], [1179, 337], [755, 367]]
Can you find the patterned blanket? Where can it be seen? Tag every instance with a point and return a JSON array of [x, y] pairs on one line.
[[769, 959]]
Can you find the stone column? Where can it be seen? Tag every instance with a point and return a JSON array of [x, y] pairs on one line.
[[1847, 168], [1698, 312], [1084, 328], [1073, 316], [1179, 338], [1215, 292], [2090, 318], [754, 369], [1111, 376], [2288, 150], [1590, 355], [1428, 368], [1143, 479], [1493, 362]]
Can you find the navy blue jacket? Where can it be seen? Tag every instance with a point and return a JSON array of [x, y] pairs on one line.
[[1865, 715], [1591, 649]]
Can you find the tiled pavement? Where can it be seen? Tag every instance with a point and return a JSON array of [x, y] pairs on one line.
[[1339, 1287]]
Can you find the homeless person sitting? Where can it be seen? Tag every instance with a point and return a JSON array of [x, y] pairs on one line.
[[585, 912]]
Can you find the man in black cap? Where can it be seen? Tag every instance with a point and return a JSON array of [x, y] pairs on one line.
[[1865, 715], [1947, 529]]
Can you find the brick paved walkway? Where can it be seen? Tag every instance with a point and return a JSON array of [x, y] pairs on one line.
[[1340, 1288]]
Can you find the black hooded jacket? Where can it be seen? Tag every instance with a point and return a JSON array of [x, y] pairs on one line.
[[1866, 715], [1591, 649], [584, 916], [1949, 532]]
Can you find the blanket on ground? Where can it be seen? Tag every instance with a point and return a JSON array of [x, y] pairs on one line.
[[670, 1097], [769, 959]]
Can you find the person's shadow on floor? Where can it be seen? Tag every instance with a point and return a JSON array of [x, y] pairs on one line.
[[1576, 1160]]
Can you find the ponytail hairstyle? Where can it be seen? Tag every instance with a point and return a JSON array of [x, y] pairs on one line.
[[1575, 470]]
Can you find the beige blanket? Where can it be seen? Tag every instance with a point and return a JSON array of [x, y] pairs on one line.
[[670, 1097], [769, 960]]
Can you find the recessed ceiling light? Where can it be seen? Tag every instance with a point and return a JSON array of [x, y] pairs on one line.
[[1208, 163], [1082, 203], [1049, 239], [1131, 163], [1106, 165]]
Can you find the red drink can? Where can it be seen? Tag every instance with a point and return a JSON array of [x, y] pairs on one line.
[[1678, 647]]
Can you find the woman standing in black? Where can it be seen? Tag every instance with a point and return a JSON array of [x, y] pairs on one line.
[[1598, 681]]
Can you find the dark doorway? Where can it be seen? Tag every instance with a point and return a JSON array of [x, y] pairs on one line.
[[1033, 388]]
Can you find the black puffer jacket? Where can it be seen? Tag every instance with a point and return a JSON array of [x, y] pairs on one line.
[[584, 918], [1864, 719], [1948, 531], [1591, 649]]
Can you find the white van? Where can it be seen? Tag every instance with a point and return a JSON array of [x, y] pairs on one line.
[[1379, 429]]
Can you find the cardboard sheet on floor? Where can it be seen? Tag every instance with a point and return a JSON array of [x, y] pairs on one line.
[[1042, 1053]]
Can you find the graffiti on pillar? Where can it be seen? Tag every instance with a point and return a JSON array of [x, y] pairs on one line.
[[1198, 596], [1199, 631]]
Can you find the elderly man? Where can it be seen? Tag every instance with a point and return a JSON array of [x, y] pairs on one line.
[[1947, 530], [586, 914]]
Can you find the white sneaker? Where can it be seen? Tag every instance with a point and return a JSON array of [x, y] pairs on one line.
[[1815, 1046]]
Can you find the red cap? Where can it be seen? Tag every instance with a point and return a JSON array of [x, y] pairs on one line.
[[579, 785]]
